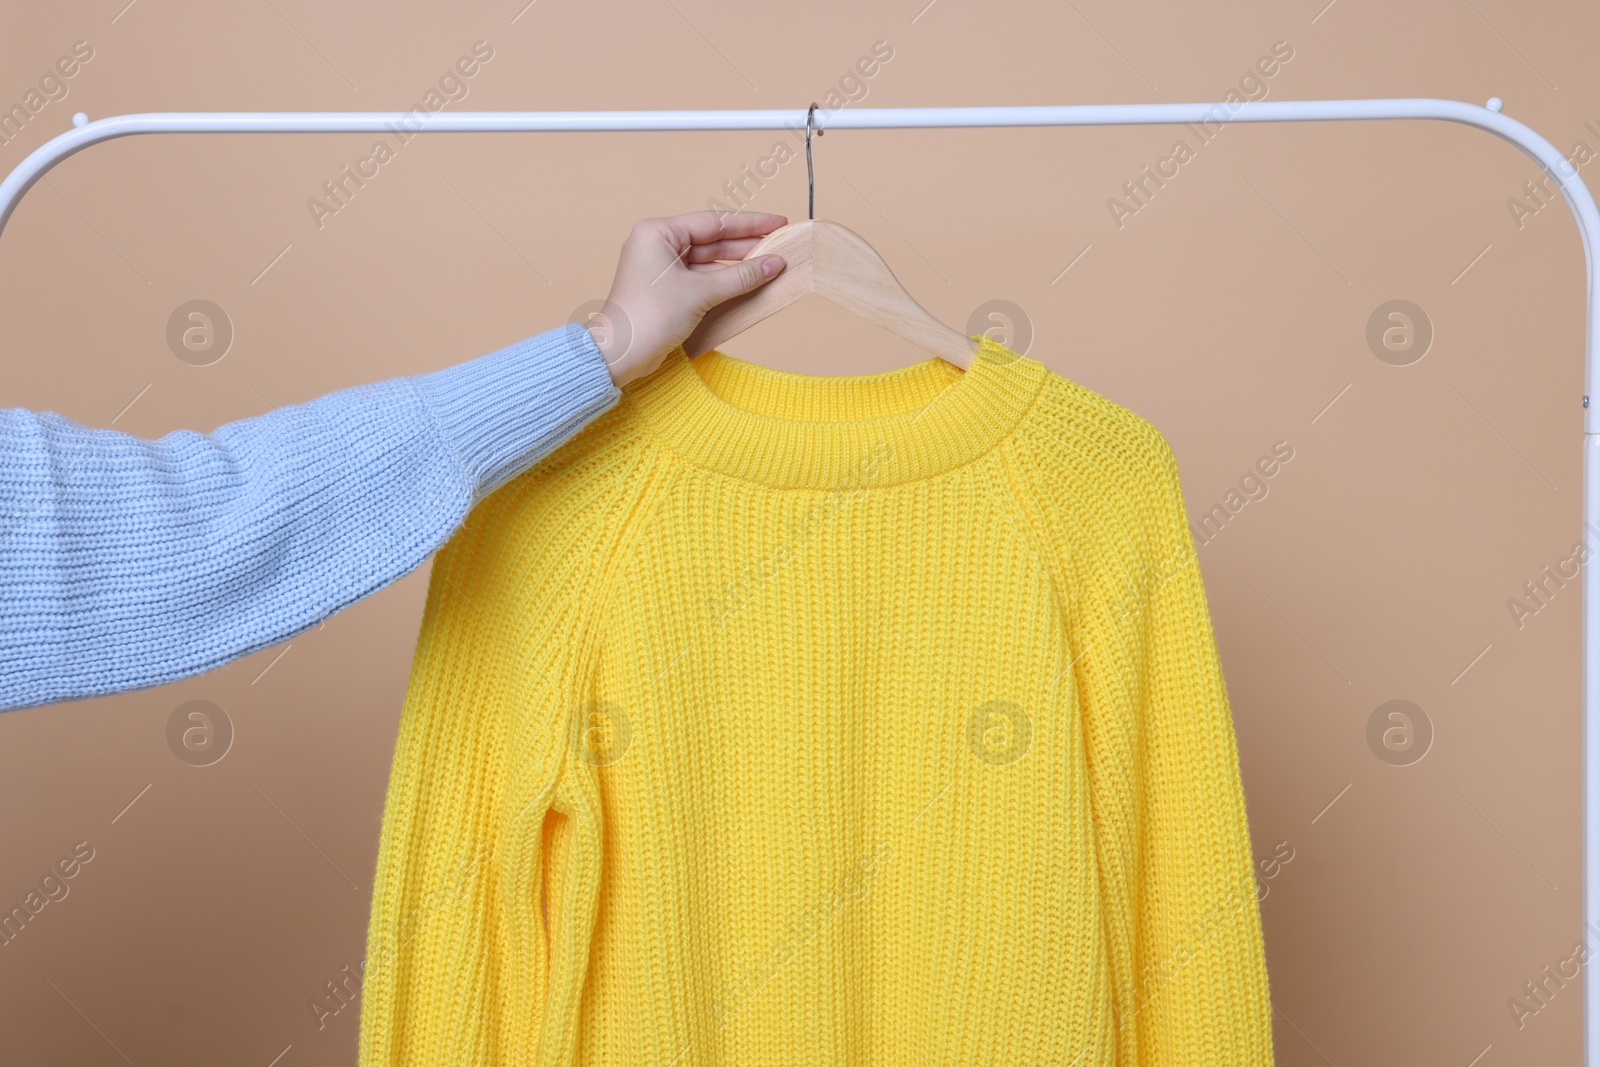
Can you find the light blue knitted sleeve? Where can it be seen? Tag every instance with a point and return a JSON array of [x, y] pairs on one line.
[[127, 562]]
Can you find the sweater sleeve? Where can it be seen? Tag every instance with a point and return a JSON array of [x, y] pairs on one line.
[[127, 562], [1183, 920], [462, 851], [477, 937]]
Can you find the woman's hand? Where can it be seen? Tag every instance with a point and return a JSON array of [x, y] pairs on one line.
[[668, 277]]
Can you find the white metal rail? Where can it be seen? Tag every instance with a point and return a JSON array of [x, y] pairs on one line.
[[1487, 118]]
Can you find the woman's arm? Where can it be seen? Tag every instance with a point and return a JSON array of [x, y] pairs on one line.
[[127, 563]]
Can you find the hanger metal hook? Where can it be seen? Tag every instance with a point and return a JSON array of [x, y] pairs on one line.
[[811, 179]]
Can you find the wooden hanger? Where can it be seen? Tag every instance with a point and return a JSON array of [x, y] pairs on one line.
[[839, 264], [835, 262]]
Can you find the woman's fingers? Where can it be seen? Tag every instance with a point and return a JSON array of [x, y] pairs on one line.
[[670, 270], [705, 227], [733, 248]]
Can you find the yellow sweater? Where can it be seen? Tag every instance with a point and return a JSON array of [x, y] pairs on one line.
[[780, 719]]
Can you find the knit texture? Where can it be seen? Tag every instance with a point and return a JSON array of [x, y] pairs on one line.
[[782, 719], [127, 562]]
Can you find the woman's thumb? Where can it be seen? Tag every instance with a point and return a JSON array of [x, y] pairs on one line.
[[735, 279]]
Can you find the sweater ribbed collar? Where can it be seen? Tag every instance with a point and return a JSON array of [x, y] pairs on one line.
[[791, 430]]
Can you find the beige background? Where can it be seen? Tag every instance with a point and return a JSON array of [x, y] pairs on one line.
[[1231, 310]]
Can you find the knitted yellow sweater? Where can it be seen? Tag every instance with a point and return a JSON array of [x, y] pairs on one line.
[[780, 719]]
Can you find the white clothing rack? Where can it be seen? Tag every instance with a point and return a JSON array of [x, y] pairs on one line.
[[1487, 118]]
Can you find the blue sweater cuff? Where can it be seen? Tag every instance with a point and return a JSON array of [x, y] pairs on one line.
[[501, 413]]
